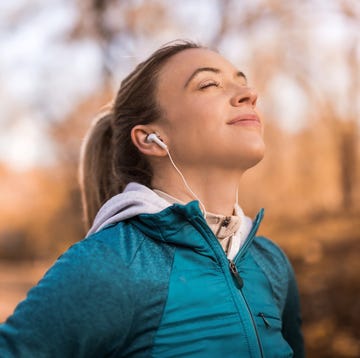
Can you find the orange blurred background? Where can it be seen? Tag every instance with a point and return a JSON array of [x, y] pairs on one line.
[[304, 59]]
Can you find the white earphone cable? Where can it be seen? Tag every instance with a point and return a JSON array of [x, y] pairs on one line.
[[186, 184]]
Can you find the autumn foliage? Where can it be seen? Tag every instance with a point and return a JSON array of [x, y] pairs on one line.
[[308, 182]]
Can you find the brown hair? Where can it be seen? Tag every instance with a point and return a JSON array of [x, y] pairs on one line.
[[109, 159]]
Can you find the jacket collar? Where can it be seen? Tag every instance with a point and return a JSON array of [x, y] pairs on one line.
[[184, 225]]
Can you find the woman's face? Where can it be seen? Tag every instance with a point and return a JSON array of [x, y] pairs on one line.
[[210, 118]]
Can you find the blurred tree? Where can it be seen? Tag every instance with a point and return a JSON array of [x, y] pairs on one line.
[[304, 76], [275, 41], [115, 25]]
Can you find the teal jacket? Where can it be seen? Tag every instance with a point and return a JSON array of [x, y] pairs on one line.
[[160, 285]]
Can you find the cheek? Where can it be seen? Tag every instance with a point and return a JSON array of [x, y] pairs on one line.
[[194, 126], [192, 118]]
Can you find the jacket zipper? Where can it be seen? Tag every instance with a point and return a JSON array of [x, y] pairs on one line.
[[232, 267], [235, 273], [266, 322]]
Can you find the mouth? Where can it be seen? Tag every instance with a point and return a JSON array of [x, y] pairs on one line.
[[245, 120]]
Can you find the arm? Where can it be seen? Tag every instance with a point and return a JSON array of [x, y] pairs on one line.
[[79, 309], [292, 317]]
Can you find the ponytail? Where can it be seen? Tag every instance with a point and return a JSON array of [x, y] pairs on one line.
[[96, 179]]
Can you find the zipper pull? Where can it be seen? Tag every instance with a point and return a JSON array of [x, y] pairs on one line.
[[235, 273], [267, 324], [226, 221]]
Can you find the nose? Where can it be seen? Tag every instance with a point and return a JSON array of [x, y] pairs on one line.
[[244, 95]]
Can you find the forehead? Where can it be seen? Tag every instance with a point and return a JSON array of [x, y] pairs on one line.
[[180, 66]]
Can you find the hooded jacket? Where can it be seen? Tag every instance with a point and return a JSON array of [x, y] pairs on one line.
[[152, 280]]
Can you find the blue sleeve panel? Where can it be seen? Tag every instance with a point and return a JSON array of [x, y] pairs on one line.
[[89, 302]]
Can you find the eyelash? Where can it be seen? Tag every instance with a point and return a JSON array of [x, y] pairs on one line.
[[209, 84]]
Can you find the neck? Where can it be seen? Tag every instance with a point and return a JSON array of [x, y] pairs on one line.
[[216, 189]]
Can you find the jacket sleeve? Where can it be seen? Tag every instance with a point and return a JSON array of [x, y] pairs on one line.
[[292, 316], [79, 309]]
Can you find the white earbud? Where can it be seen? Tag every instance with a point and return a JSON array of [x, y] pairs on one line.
[[153, 137]]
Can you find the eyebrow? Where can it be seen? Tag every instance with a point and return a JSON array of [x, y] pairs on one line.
[[210, 69]]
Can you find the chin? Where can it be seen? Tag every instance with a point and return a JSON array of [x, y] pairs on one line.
[[253, 156]]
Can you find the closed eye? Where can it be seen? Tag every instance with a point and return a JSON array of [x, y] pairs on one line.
[[209, 84]]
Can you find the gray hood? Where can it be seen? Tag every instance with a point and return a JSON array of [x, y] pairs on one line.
[[138, 199], [134, 200]]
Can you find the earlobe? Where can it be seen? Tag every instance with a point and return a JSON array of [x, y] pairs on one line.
[[147, 142]]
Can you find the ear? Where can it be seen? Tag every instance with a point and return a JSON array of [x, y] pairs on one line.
[[139, 135]]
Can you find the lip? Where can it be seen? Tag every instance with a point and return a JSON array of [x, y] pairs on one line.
[[245, 119]]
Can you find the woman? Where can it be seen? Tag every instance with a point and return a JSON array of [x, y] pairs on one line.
[[161, 274]]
